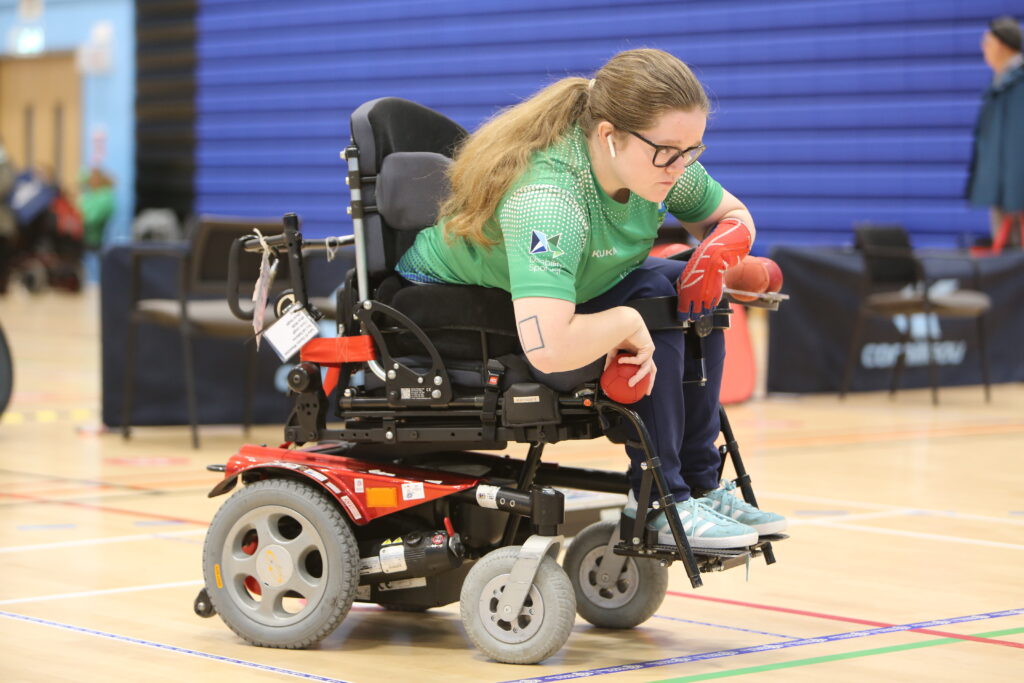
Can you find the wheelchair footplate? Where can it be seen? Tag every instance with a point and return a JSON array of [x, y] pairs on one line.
[[708, 559]]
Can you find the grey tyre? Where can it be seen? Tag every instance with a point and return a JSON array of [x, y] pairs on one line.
[[281, 564], [629, 599], [542, 626]]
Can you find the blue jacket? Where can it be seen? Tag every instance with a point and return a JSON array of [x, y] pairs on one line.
[[997, 169]]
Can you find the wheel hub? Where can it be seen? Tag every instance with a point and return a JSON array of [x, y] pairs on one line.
[[510, 628], [602, 589], [274, 566]]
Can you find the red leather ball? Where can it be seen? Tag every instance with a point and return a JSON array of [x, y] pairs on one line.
[[615, 381], [749, 275], [774, 274]]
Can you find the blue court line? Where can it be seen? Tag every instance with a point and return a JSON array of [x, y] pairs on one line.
[[45, 527], [717, 654], [170, 648], [731, 628]]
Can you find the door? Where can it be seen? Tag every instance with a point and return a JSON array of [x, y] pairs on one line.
[[40, 115]]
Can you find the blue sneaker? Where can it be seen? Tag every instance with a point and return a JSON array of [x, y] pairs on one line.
[[704, 528], [725, 502]]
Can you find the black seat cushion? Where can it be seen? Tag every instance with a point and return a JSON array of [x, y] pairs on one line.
[[454, 317]]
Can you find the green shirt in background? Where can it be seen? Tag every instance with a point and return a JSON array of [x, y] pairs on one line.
[[561, 236]]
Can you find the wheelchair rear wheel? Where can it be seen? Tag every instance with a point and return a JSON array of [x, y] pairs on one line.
[[543, 624], [624, 601], [281, 564]]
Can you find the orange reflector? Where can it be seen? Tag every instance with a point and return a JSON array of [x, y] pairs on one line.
[[381, 497]]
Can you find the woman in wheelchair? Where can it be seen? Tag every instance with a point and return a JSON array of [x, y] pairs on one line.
[[558, 200]]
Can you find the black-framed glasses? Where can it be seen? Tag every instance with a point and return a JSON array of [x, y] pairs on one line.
[[666, 155]]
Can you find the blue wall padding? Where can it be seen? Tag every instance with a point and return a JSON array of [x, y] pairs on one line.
[[826, 112]]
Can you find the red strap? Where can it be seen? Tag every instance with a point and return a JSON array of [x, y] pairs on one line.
[[338, 350], [335, 351]]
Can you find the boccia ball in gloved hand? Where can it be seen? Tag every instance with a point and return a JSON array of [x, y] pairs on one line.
[[700, 284], [615, 381], [750, 275]]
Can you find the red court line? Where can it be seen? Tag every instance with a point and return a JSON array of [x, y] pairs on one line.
[[103, 508], [851, 620]]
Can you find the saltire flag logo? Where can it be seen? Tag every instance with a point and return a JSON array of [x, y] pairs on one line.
[[542, 244]]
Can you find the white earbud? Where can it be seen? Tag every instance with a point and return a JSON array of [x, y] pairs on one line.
[[611, 146]]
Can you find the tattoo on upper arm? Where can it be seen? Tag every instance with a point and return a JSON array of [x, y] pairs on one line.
[[529, 334]]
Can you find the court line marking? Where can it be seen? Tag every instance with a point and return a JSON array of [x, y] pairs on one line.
[[893, 436], [102, 508], [832, 617], [731, 628], [786, 644], [952, 514], [103, 591], [57, 477], [858, 515], [170, 648], [98, 541], [921, 535], [830, 658]]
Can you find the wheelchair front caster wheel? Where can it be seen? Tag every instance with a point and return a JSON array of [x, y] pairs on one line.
[[280, 564], [622, 601], [202, 605], [542, 625]]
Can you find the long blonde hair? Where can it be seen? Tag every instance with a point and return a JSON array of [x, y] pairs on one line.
[[631, 91]]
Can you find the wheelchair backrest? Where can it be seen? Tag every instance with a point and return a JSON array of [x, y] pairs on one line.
[[403, 150]]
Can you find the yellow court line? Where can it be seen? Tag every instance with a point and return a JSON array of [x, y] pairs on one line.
[[47, 416]]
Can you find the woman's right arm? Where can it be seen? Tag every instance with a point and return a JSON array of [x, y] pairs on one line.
[[557, 339]]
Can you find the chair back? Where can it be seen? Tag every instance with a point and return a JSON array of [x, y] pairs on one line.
[[404, 151], [889, 259], [210, 244]]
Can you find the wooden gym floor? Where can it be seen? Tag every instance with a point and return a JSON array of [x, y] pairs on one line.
[[904, 562]]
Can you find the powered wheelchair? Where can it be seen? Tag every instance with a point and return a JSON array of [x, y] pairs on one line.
[[402, 502]]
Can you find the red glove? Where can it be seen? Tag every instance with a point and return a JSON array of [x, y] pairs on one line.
[[700, 285]]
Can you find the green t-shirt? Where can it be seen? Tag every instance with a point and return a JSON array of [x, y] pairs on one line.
[[561, 236]]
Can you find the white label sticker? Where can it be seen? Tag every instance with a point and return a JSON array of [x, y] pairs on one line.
[[526, 399], [363, 592], [486, 495], [319, 476], [290, 332], [332, 487], [412, 490], [386, 474], [392, 559], [402, 583], [351, 507], [358, 483], [369, 565]]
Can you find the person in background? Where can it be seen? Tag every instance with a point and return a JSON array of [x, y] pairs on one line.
[[96, 204], [996, 176]]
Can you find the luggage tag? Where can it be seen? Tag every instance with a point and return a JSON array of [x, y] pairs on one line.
[[291, 331], [268, 270]]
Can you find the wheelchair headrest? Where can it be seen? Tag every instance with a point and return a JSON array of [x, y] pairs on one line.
[[410, 187], [390, 124]]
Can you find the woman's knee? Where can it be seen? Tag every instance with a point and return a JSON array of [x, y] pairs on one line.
[[648, 283]]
